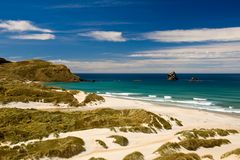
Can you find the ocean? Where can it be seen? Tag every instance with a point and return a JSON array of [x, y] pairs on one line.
[[216, 92]]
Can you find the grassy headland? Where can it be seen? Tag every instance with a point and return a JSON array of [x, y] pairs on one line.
[[36, 70]]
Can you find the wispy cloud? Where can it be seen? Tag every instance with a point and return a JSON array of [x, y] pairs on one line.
[[209, 51], [211, 58], [94, 4], [152, 66], [195, 35], [99, 23], [68, 6], [34, 36], [20, 26], [105, 36]]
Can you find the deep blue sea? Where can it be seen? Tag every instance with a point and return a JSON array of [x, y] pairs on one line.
[[218, 92]]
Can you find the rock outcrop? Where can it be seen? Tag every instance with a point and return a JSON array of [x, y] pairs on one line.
[[2, 61], [37, 70], [172, 76], [193, 79]]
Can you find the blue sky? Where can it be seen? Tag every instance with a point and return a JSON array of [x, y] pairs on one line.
[[127, 36]]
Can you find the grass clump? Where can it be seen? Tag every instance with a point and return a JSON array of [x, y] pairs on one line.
[[168, 148], [93, 158], [233, 152], [179, 156], [208, 156], [134, 156], [178, 122], [103, 144], [19, 125], [122, 141], [62, 148], [91, 98], [206, 133], [138, 129], [194, 144], [16, 91]]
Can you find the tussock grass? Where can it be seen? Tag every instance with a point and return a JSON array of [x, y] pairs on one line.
[[62, 148], [233, 152], [206, 133], [178, 122], [91, 98], [179, 156], [93, 158], [209, 156], [21, 125], [168, 148], [16, 91], [103, 144], [122, 141], [134, 156], [194, 144]]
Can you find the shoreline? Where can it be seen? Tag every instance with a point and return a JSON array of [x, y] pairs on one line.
[[237, 115]]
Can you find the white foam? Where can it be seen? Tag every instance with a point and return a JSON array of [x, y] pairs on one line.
[[152, 96], [121, 94], [167, 97], [204, 103], [199, 99]]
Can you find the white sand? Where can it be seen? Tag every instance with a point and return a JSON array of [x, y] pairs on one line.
[[146, 143]]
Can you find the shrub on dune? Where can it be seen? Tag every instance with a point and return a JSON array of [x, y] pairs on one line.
[[134, 156]]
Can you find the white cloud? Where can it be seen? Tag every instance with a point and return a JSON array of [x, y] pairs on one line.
[[211, 58], [230, 65], [220, 50], [20, 26], [34, 37], [105, 36], [195, 35]]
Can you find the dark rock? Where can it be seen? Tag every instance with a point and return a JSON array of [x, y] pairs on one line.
[[193, 79], [2, 61], [172, 76]]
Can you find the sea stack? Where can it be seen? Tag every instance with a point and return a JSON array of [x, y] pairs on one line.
[[172, 76], [193, 79]]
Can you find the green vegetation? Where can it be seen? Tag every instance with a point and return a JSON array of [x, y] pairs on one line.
[[63, 148], [179, 156], [138, 129], [178, 122], [122, 141], [194, 144], [209, 156], [168, 148], [16, 91], [103, 144], [205, 133], [21, 125], [36, 70], [93, 158], [91, 98], [233, 152], [134, 156]]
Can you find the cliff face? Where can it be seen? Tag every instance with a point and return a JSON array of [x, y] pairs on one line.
[[37, 70]]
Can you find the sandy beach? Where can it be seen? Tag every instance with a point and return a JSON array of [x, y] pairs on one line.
[[144, 143]]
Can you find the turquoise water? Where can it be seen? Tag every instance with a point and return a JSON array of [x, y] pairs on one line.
[[218, 92]]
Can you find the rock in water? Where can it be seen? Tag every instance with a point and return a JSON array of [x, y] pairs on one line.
[[193, 79], [172, 76]]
